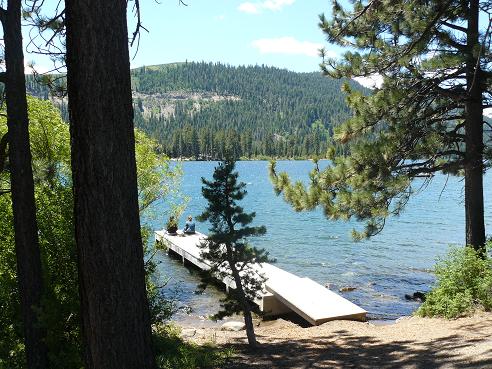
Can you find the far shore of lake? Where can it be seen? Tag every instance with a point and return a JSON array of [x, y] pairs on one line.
[[261, 158]]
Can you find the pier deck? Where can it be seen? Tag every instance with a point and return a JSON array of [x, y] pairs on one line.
[[283, 291]]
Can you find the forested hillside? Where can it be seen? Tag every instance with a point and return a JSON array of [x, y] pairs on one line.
[[206, 111]]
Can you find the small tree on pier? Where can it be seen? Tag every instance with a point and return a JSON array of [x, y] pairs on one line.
[[226, 247]]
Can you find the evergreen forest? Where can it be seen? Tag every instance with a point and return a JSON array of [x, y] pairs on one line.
[[208, 111]]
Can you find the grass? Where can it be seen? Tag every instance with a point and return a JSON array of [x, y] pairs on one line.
[[172, 352]]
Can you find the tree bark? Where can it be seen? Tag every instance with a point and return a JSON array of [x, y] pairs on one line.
[[3, 151], [474, 207], [248, 319], [29, 272], [114, 307]]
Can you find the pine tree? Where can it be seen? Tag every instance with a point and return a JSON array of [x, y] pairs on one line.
[[427, 117], [114, 306], [227, 247], [29, 268]]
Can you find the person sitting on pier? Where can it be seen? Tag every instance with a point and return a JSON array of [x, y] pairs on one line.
[[172, 226], [189, 227]]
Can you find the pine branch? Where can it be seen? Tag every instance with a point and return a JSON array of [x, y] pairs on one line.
[[138, 27], [449, 40], [428, 28], [454, 26], [354, 19], [452, 166]]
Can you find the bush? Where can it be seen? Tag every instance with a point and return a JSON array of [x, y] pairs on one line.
[[59, 310], [174, 353], [463, 284]]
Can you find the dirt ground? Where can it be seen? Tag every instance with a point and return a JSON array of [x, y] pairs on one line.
[[411, 342]]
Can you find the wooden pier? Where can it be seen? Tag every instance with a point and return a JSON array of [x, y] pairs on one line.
[[283, 292]]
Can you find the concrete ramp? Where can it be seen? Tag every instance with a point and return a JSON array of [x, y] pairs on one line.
[[310, 300]]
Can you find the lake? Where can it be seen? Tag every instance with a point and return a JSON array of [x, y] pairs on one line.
[[382, 269]]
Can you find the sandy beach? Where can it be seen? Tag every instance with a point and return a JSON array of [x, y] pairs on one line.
[[411, 342]]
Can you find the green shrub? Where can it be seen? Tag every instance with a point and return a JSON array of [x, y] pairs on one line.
[[59, 310], [172, 352], [463, 284]]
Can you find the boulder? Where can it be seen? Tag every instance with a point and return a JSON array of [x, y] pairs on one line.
[[233, 326], [417, 296], [347, 289], [188, 332]]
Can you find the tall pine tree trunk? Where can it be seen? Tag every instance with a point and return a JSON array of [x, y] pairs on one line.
[[474, 208], [29, 272], [114, 307]]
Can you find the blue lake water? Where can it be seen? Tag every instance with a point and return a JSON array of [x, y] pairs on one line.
[[383, 269]]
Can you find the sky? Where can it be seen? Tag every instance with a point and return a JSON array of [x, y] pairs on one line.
[[281, 33]]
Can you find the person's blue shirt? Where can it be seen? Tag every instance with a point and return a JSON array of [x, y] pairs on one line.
[[189, 227]]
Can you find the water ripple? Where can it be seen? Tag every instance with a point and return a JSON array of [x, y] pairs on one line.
[[383, 269]]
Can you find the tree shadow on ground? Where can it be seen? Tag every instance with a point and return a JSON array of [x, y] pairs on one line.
[[343, 349]]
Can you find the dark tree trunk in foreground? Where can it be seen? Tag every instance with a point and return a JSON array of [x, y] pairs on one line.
[[29, 273], [114, 306], [474, 208]]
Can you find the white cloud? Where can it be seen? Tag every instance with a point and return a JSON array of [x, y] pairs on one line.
[[30, 67], [372, 82], [249, 8], [219, 17], [288, 45], [276, 4], [259, 6]]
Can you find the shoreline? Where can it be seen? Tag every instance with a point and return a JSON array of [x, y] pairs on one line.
[[410, 342], [204, 322], [246, 159]]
